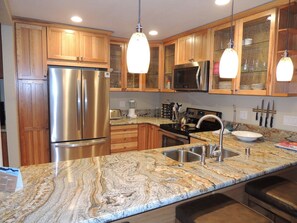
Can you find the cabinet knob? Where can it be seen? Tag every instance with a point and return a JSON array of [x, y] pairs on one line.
[[81, 58]]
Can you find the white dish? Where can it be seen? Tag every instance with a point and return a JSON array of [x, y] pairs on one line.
[[247, 136]]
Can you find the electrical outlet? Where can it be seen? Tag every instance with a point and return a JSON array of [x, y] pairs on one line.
[[243, 115], [290, 120], [122, 104]]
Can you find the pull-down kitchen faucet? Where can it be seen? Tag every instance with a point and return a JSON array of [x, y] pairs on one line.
[[218, 152]]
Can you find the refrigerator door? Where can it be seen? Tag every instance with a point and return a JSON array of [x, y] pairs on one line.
[[95, 104], [79, 149], [65, 104]]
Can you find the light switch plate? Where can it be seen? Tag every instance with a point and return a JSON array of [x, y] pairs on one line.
[[290, 120], [243, 115]]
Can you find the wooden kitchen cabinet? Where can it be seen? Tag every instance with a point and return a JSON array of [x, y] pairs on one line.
[[124, 138], [193, 47], [77, 46], [117, 66], [4, 148], [1, 57], [153, 137], [31, 51], [148, 137], [33, 121], [254, 43], [283, 28], [169, 63]]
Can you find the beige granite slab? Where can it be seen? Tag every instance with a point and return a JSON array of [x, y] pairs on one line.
[[141, 120], [107, 188]]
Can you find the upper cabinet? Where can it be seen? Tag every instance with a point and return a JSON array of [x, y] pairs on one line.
[[193, 47], [285, 28], [1, 61], [169, 63], [77, 46], [31, 51], [254, 42], [117, 66]]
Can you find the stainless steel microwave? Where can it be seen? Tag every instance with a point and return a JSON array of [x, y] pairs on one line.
[[192, 76]]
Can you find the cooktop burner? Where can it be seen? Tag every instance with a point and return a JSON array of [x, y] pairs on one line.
[[192, 116]]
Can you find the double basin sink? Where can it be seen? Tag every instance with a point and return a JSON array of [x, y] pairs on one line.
[[194, 153]]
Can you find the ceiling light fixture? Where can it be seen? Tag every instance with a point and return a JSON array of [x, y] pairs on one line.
[[138, 52], [153, 32], [285, 67], [229, 60], [222, 2], [76, 19]]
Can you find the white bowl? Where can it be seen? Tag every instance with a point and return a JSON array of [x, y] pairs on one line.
[[247, 136]]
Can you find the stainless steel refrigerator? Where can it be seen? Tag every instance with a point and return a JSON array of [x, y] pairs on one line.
[[79, 113]]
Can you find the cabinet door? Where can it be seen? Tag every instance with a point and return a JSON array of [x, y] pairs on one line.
[[33, 122], [94, 47], [201, 45], [152, 78], [124, 138], [185, 50], [153, 137], [1, 61], [169, 63], [63, 44], [220, 37], [31, 51], [256, 53], [143, 136], [117, 66]]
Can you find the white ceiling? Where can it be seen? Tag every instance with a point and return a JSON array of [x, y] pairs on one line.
[[169, 17]]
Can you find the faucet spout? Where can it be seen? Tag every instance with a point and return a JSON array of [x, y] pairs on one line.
[[220, 150]]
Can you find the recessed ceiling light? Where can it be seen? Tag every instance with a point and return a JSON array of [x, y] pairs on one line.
[[76, 19], [153, 32], [222, 2]]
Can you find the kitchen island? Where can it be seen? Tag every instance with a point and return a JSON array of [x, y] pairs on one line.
[[108, 188]]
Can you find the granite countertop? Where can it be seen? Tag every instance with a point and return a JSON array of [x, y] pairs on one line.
[[140, 120], [107, 188]]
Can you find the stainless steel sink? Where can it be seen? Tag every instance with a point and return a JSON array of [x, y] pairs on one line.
[[199, 150], [182, 155]]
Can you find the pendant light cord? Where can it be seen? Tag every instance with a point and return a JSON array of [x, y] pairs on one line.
[[231, 28], [139, 27], [287, 37]]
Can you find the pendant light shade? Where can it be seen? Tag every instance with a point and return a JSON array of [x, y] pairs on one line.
[[229, 60], [285, 69], [229, 64], [138, 52]]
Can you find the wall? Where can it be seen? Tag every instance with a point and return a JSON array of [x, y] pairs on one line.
[[224, 103], [10, 90], [119, 100]]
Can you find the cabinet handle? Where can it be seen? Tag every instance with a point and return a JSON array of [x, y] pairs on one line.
[[81, 58], [77, 58]]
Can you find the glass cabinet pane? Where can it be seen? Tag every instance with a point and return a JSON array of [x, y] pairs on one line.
[[169, 58], [254, 58], [116, 66], [152, 76], [133, 80], [221, 40]]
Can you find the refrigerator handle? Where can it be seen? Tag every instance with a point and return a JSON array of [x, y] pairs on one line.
[[81, 143], [85, 100], [78, 95]]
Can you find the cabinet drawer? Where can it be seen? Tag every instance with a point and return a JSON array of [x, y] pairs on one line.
[[124, 147], [123, 128], [119, 138]]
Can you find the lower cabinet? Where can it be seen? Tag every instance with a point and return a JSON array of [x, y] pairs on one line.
[[33, 122], [124, 138], [134, 137]]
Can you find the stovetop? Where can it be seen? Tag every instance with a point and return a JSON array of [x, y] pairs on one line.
[[193, 115]]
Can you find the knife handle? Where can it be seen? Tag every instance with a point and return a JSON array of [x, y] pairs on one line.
[[271, 122], [256, 116], [266, 120], [261, 119]]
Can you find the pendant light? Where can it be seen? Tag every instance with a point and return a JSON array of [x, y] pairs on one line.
[[138, 52], [285, 67], [229, 60]]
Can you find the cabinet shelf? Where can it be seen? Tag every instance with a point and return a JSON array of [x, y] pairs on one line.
[[254, 71], [291, 52], [290, 30]]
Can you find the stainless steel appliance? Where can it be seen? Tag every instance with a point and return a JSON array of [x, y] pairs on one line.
[[79, 112], [192, 76], [179, 134]]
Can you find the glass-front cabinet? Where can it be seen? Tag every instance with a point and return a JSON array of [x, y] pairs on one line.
[[169, 62], [253, 41], [117, 69]]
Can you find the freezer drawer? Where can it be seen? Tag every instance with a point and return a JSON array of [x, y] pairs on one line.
[[79, 149]]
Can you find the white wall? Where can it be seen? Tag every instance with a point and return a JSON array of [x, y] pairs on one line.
[[119, 100], [224, 103], [10, 93]]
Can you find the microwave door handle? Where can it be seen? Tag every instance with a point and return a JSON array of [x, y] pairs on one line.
[[198, 77]]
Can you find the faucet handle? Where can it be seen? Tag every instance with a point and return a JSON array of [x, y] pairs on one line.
[[203, 155]]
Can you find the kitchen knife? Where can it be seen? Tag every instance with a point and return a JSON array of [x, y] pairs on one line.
[[257, 113], [262, 111], [272, 111], [267, 114]]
